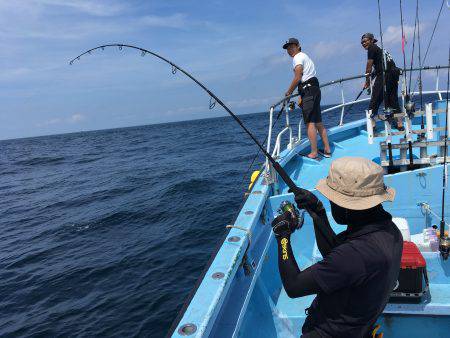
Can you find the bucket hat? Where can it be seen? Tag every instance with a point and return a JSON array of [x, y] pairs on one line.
[[355, 183]]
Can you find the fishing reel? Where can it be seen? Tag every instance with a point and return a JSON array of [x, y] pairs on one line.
[[297, 218], [444, 247], [291, 106], [410, 107]]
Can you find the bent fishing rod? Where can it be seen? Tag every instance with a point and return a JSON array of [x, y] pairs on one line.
[[278, 168]]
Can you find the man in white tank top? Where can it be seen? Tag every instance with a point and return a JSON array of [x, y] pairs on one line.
[[308, 86]]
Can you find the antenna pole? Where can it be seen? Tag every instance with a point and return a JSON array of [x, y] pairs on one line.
[[444, 241]]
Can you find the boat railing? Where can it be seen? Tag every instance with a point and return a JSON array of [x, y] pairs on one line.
[[294, 140]]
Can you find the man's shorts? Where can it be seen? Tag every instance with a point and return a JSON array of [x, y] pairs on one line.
[[311, 105]]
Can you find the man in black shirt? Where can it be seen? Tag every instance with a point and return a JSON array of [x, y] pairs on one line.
[[360, 266], [391, 78]]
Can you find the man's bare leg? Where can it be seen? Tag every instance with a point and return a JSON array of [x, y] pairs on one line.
[[323, 135], [312, 136]]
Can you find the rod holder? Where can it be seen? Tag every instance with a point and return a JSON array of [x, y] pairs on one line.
[[429, 120], [369, 126]]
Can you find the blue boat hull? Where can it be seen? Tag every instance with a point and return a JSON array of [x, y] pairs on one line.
[[241, 294]]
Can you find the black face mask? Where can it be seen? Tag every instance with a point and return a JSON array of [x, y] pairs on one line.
[[357, 217], [339, 214]]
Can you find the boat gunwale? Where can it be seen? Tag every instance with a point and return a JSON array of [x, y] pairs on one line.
[[285, 156]]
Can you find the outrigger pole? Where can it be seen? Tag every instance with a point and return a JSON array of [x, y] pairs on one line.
[[444, 241], [278, 168]]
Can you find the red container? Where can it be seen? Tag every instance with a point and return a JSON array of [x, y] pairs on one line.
[[412, 257], [412, 280]]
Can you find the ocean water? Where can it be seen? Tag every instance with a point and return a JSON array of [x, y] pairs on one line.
[[104, 233]]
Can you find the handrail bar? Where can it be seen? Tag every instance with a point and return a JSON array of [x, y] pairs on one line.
[[277, 146], [368, 98], [357, 77]]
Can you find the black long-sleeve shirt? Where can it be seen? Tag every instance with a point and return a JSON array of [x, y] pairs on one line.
[[355, 278]]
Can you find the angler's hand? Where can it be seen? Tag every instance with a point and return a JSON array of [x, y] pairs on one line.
[[305, 199], [283, 225]]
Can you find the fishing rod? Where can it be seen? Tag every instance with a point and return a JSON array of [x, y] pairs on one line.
[[383, 77], [278, 168], [383, 64], [444, 241], [403, 45], [422, 123]]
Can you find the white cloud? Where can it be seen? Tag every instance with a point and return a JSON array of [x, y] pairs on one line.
[[177, 20], [325, 50], [393, 34], [94, 8], [253, 102], [49, 122], [74, 118]]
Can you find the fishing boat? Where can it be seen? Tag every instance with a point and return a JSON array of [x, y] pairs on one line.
[[240, 293]]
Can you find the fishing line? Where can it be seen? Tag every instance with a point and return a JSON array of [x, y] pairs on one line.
[[276, 166]]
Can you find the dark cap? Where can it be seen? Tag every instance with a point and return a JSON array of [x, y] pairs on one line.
[[290, 42], [369, 36]]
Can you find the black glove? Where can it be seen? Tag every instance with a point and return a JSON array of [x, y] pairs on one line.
[[283, 225], [305, 199]]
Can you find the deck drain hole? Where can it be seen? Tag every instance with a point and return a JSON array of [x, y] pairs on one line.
[[234, 239], [249, 212], [187, 329], [218, 275]]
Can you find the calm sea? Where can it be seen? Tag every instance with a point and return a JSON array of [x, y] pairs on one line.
[[104, 233]]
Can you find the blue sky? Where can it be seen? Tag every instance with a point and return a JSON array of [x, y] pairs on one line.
[[234, 47]]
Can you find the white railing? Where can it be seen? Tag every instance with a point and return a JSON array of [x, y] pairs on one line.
[[294, 140]]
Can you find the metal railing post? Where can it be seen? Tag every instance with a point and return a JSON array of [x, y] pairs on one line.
[[343, 103], [437, 84], [288, 125], [269, 137]]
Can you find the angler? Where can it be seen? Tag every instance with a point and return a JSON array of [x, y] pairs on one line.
[[360, 265], [308, 87], [385, 87]]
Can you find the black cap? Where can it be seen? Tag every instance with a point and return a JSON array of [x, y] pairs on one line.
[[369, 36], [290, 42]]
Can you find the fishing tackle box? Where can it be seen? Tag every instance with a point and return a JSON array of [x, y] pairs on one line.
[[412, 282]]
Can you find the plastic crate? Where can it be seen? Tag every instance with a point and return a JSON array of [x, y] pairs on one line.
[[412, 280]]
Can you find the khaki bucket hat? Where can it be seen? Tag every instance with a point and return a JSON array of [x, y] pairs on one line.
[[355, 183]]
